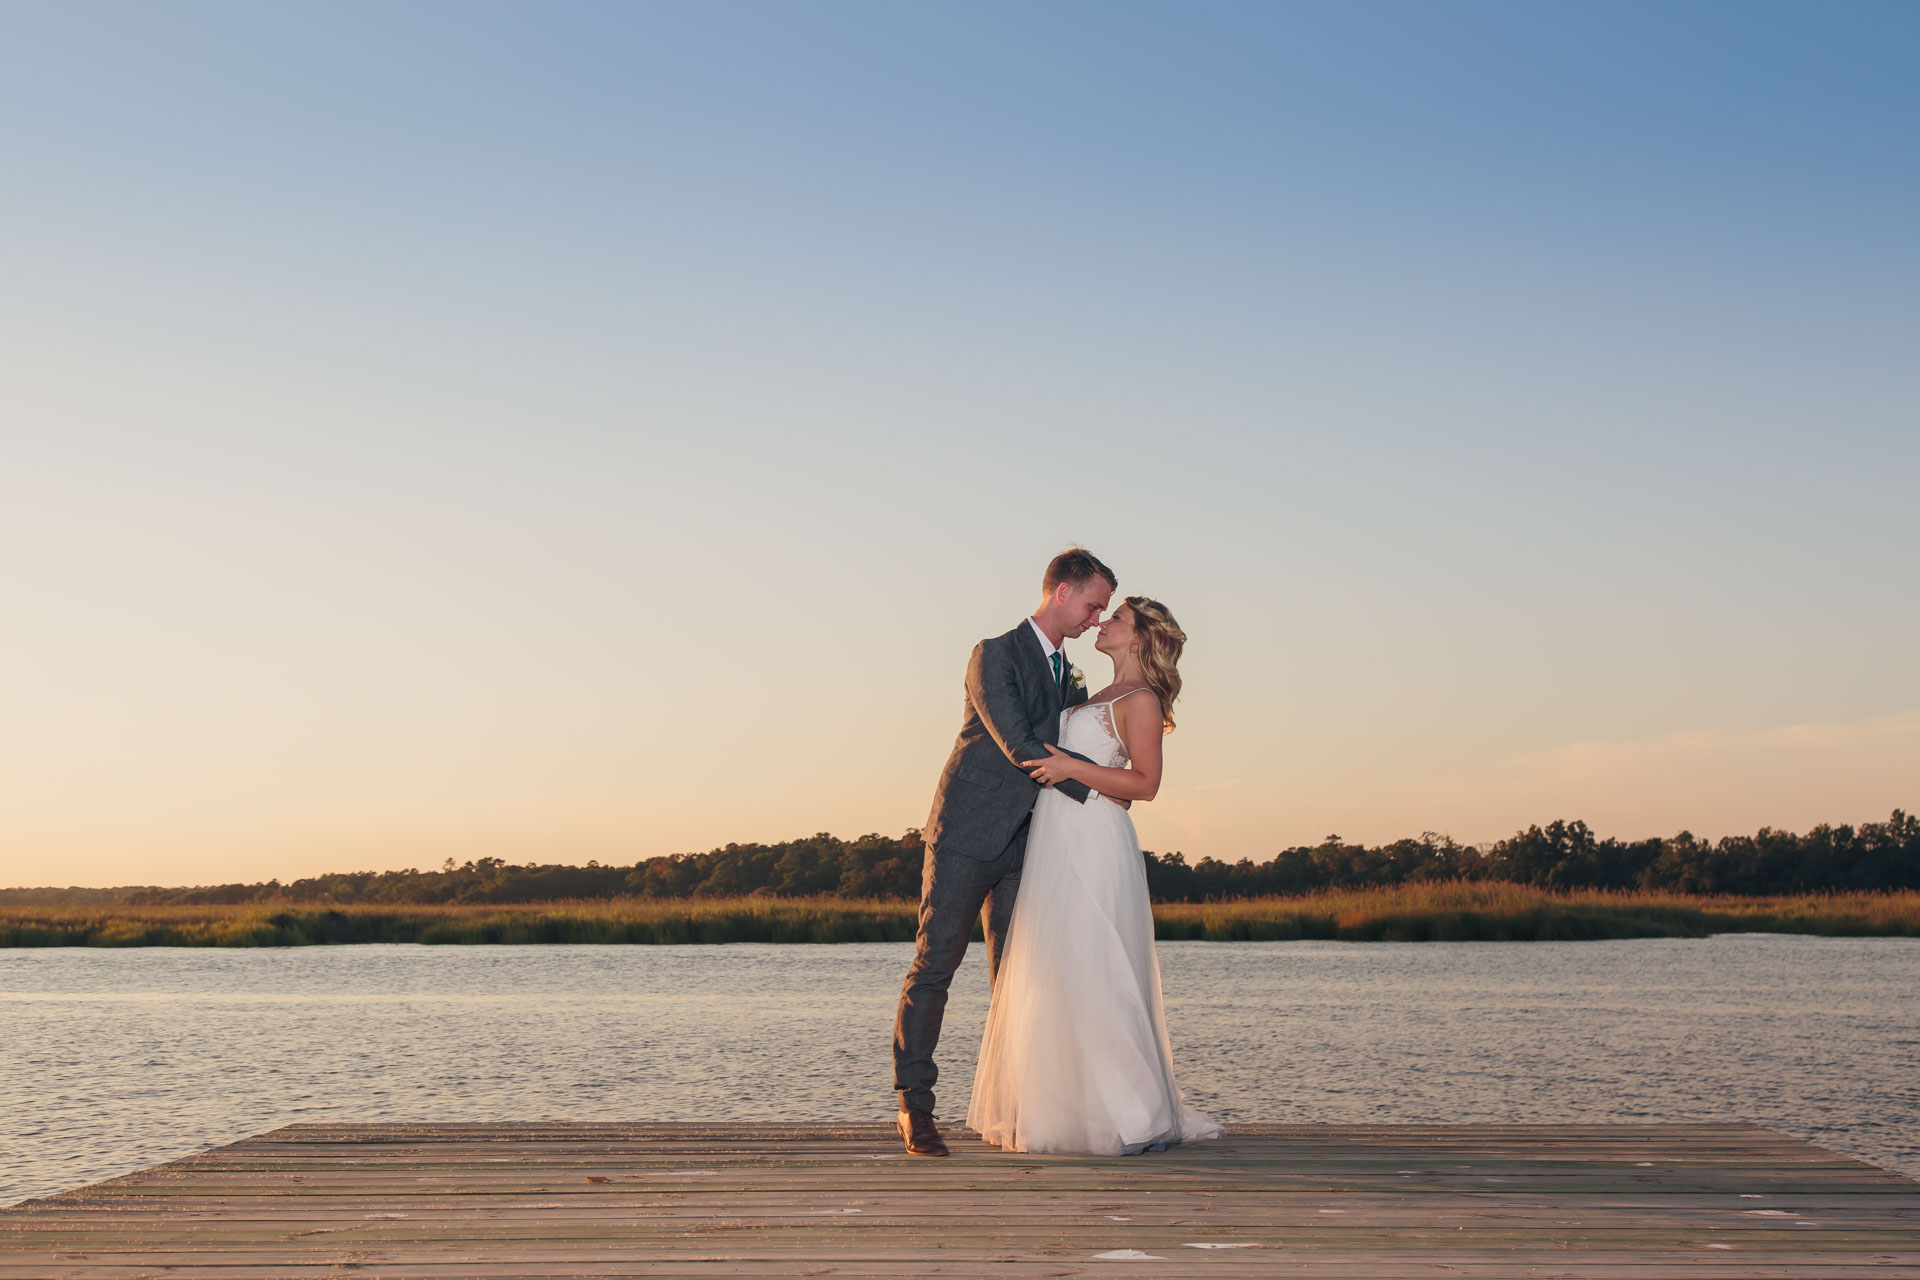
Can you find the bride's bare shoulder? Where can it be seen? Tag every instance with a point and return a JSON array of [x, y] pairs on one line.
[[1138, 705]]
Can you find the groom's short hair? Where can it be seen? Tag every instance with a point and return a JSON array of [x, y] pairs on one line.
[[1076, 565]]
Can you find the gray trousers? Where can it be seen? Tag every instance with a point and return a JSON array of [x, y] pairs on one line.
[[953, 890]]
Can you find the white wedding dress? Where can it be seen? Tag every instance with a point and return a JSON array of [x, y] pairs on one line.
[[1076, 1057]]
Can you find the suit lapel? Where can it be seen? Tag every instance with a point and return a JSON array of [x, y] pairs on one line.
[[1043, 668]]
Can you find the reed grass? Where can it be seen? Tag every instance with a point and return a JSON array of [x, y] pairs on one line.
[[610, 920], [1497, 912], [1451, 912]]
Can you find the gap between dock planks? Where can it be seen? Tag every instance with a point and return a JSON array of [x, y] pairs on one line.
[[1373, 1201]]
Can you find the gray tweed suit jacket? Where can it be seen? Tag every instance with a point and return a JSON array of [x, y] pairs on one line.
[[1012, 711]]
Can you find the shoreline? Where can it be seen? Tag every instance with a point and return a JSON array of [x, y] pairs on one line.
[[1446, 912]]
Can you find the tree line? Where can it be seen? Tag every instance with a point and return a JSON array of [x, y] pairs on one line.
[[1567, 855], [1560, 855]]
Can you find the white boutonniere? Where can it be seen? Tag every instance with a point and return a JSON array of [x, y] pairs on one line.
[[1075, 680]]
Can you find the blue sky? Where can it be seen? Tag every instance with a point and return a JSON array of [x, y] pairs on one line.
[[568, 431]]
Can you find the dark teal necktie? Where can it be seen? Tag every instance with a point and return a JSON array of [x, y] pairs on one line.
[[1056, 666]]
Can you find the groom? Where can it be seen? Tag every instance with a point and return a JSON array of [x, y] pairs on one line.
[[976, 837]]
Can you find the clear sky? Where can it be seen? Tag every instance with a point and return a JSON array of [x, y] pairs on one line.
[[573, 431]]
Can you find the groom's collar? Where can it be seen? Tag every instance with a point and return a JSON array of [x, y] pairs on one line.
[[1042, 651], [1047, 647]]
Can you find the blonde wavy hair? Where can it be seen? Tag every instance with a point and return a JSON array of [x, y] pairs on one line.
[[1159, 641]]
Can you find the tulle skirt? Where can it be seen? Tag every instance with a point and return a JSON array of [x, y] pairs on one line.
[[1075, 1056]]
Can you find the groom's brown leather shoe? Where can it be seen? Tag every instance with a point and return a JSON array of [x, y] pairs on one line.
[[922, 1138]]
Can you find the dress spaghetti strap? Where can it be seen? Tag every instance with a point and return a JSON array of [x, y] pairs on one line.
[[1113, 719]]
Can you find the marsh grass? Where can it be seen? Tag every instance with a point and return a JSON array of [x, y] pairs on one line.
[[1494, 912], [1450, 912], [611, 920]]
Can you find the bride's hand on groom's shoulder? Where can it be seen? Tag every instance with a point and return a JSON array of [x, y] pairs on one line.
[[1057, 766]]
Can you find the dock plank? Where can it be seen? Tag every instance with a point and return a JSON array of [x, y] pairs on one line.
[[548, 1199]]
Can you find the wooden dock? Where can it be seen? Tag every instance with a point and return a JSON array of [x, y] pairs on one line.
[[1373, 1201]]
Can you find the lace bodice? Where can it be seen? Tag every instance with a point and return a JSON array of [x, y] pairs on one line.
[[1090, 729]]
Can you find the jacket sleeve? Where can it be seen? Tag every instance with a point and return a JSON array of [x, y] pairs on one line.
[[995, 693]]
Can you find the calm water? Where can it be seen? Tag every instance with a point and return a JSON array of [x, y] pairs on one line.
[[115, 1060]]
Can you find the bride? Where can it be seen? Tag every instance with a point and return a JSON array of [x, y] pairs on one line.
[[1076, 1057]]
